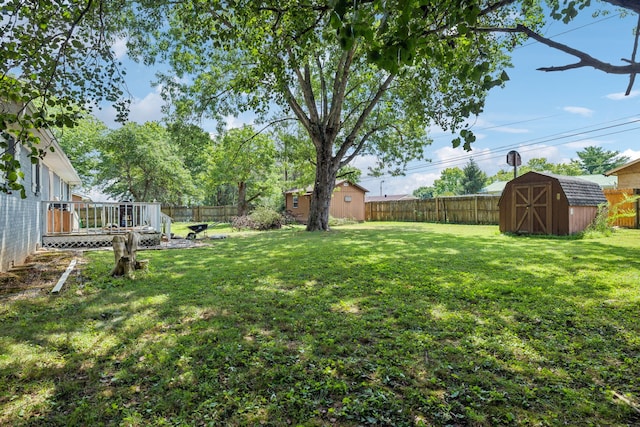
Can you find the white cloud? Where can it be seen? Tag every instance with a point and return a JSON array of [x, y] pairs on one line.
[[143, 110], [620, 95], [507, 129], [147, 109], [120, 48], [412, 182], [582, 111], [631, 154], [582, 143], [232, 122], [552, 154]]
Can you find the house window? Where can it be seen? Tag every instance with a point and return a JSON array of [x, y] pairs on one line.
[[295, 202], [35, 178], [347, 198]]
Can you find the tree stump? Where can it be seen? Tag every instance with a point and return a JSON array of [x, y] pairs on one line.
[[124, 252]]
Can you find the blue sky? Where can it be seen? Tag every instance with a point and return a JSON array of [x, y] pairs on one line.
[[539, 114]]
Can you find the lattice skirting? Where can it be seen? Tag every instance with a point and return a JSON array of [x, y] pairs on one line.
[[93, 241]]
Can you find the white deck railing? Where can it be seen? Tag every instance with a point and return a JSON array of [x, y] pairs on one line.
[[78, 217]]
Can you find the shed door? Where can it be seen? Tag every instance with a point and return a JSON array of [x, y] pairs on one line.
[[531, 211]]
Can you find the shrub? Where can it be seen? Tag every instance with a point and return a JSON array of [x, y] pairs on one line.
[[241, 222], [601, 223], [266, 218], [262, 218]]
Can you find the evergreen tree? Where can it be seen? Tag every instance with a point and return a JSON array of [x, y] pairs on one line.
[[473, 178], [596, 160]]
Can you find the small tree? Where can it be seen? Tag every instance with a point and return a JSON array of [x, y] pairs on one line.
[[539, 164], [423, 193], [246, 159], [81, 144], [138, 162], [449, 183]]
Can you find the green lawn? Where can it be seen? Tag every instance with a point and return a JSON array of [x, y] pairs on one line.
[[374, 324]]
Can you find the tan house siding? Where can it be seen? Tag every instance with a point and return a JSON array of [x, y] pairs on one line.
[[628, 174], [301, 211], [629, 178], [347, 201]]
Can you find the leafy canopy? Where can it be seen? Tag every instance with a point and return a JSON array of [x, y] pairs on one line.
[[54, 55], [246, 160], [362, 77], [139, 163]]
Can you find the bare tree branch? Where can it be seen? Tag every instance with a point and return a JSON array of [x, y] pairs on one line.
[[627, 4], [585, 60], [632, 78]]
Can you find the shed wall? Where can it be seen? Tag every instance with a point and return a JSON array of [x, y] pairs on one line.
[[580, 217], [561, 221], [341, 208], [302, 211], [629, 177]]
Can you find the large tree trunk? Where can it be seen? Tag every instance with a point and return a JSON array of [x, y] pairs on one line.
[[242, 198], [326, 172]]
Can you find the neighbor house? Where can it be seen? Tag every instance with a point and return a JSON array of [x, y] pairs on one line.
[[21, 220], [628, 175], [347, 202]]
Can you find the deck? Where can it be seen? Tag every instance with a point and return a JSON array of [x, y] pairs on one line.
[[81, 224]]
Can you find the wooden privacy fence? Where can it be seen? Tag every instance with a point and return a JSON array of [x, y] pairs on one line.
[[472, 209], [200, 213], [480, 209], [625, 214]]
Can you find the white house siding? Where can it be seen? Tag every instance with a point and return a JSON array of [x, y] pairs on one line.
[[20, 231]]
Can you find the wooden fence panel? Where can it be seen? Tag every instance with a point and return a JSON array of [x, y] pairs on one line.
[[476, 209], [200, 213], [615, 198]]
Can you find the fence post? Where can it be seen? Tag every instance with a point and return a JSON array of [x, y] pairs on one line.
[[475, 200], [636, 191]]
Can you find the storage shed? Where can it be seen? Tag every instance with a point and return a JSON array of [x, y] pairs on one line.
[[541, 203], [347, 202]]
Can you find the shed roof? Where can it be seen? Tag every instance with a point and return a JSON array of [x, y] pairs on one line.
[[390, 198], [602, 180], [615, 171], [309, 189], [579, 192]]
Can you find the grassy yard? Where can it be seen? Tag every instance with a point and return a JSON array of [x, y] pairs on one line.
[[393, 324]]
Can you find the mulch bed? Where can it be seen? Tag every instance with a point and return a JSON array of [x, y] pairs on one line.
[[38, 275], [42, 270]]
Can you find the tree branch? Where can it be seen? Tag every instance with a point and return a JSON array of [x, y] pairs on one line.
[[358, 148], [585, 60], [348, 142], [339, 87], [65, 43], [632, 78]]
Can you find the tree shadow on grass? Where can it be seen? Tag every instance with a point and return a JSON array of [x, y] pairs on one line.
[[346, 328]]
